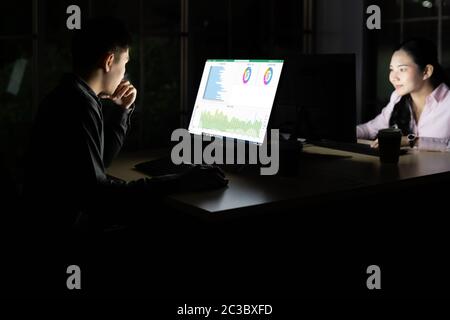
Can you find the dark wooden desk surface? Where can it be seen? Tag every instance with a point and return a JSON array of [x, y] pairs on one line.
[[302, 251], [318, 177]]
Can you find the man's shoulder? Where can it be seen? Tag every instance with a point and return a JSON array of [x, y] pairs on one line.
[[67, 96]]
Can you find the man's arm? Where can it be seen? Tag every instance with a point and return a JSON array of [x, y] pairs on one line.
[[116, 124], [117, 127]]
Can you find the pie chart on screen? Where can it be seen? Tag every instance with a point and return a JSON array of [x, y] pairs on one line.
[[247, 75], [268, 76]]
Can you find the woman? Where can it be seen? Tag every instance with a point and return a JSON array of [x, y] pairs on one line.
[[420, 104]]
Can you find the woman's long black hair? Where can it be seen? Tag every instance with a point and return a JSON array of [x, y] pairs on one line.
[[423, 52]]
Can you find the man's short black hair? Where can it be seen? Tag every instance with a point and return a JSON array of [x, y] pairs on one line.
[[96, 38]]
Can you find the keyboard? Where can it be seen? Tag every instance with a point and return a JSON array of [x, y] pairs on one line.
[[351, 147], [115, 179], [161, 167]]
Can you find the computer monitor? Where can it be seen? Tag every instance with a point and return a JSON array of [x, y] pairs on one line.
[[317, 97], [235, 98]]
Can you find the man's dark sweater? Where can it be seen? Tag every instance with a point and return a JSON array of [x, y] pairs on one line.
[[72, 143]]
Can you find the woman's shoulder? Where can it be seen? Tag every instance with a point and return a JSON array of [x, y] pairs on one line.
[[441, 93], [395, 97]]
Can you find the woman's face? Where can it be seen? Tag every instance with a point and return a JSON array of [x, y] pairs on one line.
[[405, 75]]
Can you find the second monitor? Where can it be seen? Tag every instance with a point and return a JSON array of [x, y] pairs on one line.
[[316, 98]]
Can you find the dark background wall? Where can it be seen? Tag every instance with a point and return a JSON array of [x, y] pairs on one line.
[[173, 38]]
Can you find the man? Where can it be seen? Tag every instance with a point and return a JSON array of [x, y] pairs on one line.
[[73, 142]]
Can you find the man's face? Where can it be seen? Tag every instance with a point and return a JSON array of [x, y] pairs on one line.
[[117, 71]]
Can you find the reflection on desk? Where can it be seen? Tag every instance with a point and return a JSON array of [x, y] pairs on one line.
[[322, 173]]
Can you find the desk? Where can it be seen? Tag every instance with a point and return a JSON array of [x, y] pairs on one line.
[[284, 247], [318, 178]]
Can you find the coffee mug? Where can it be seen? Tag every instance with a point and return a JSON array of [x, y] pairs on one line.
[[389, 142]]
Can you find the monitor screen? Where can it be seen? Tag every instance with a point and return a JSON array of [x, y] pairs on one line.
[[235, 98]]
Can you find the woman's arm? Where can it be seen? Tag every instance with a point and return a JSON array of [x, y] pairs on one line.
[[433, 144]]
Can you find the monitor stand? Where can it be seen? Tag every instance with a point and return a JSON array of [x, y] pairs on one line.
[[288, 161]]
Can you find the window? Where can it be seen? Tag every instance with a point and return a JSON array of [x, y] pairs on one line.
[[35, 53], [16, 66], [235, 29], [172, 39]]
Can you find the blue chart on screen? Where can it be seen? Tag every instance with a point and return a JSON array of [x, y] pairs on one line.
[[215, 89]]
